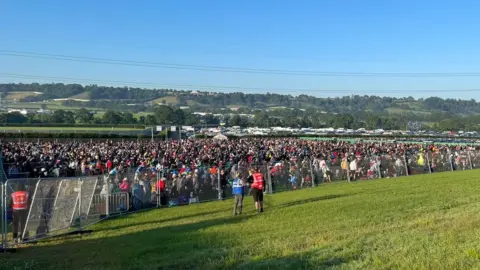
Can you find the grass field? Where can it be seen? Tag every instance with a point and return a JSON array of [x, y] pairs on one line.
[[20, 95], [419, 222], [84, 95], [52, 105], [173, 100]]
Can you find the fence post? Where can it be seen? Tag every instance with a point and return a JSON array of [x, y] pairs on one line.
[[406, 163], [157, 189], [378, 164], [348, 169], [469, 160], [107, 196], [80, 183], [428, 162], [219, 185], [3, 214], [450, 160], [311, 172], [269, 179]]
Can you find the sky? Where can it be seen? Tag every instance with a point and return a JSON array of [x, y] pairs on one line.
[[315, 36]]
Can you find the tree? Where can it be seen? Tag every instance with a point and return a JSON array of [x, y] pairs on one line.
[[83, 116], [191, 120], [238, 120], [111, 117], [62, 117], [16, 118], [127, 118], [150, 120], [163, 114], [343, 121], [261, 119], [177, 117]]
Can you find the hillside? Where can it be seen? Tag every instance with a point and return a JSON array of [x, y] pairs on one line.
[[98, 95], [418, 222]]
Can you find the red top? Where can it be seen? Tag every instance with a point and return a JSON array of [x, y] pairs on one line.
[[19, 199], [161, 186], [257, 181]]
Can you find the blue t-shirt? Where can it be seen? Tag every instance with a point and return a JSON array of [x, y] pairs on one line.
[[237, 187]]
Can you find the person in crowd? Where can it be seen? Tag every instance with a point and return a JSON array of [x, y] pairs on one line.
[[257, 185], [19, 202], [238, 191]]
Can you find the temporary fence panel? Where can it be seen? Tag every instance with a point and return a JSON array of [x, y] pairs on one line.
[[475, 159], [41, 208], [462, 160], [280, 177], [417, 163], [392, 165], [439, 162], [190, 186], [62, 213], [305, 173], [336, 170]]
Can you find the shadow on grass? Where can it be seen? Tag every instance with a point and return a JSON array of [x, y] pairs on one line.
[[201, 245], [172, 247], [316, 259], [159, 220], [312, 200]]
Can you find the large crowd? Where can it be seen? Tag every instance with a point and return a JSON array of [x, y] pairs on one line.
[[204, 167]]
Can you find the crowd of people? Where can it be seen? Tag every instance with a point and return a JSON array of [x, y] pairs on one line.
[[143, 174], [203, 169]]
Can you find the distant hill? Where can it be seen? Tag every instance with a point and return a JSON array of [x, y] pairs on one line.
[[127, 95]]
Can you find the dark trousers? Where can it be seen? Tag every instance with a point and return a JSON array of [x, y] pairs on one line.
[[19, 222], [238, 205]]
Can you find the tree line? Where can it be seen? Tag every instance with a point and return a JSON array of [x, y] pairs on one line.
[[168, 115], [100, 96]]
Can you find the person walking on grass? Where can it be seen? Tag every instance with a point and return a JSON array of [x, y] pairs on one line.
[[238, 191], [257, 185]]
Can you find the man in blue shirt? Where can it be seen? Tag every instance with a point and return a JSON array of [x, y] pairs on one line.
[[238, 193]]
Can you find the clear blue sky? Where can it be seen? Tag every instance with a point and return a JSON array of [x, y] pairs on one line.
[[339, 35]]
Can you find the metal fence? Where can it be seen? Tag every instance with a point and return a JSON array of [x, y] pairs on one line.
[[68, 205], [57, 206]]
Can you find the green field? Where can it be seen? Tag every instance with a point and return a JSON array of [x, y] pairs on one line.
[[20, 95], [51, 105], [173, 100], [419, 222], [84, 95], [70, 129]]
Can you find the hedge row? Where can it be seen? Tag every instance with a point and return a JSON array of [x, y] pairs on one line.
[[73, 126]]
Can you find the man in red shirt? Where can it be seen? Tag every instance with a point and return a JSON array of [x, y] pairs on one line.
[[160, 190], [19, 201], [257, 185]]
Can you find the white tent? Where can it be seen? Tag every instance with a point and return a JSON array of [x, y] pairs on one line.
[[220, 137]]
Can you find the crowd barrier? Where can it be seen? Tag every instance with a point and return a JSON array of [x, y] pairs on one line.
[[68, 205], [57, 206]]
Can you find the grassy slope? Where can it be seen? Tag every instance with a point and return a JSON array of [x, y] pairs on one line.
[[52, 105], [84, 95], [428, 221], [19, 95], [168, 99]]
